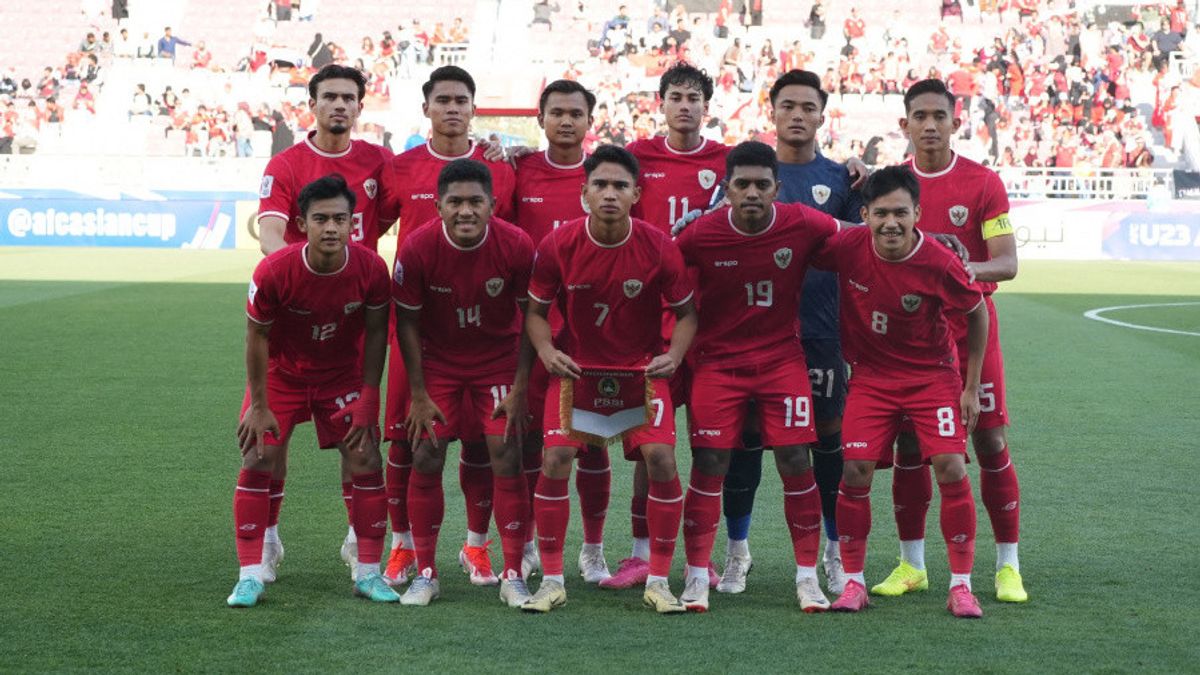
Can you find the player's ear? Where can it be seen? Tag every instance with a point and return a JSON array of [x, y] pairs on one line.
[[957, 124], [425, 107], [917, 213], [637, 193], [541, 118], [862, 213], [904, 126], [301, 224]]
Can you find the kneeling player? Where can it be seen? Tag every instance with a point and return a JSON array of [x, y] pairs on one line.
[[897, 287], [459, 285], [315, 344]]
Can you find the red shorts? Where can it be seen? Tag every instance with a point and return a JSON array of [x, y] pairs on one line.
[[539, 380], [468, 404], [293, 402], [681, 385], [993, 409], [398, 399], [660, 429], [875, 408], [721, 398]]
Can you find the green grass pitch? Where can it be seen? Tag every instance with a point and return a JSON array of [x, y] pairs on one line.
[[121, 378]]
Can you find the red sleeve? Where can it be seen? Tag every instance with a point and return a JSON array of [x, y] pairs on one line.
[[523, 265], [995, 197], [686, 243], [959, 294], [407, 283], [826, 256], [378, 287], [677, 287], [263, 300], [389, 199], [504, 186], [275, 196], [546, 278]]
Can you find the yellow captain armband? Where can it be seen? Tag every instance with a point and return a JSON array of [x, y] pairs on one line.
[[997, 226]]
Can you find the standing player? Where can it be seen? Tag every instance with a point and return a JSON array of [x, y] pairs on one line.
[[458, 286], [449, 104], [610, 275], [547, 196], [963, 198], [315, 344], [898, 289], [750, 259], [335, 99]]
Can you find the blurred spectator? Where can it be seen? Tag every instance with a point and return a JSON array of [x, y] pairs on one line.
[[140, 105], [283, 10], [816, 21], [458, 31], [854, 28], [201, 57], [168, 43], [620, 21], [319, 54], [89, 44], [282, 137], [542, 11], [124, 47]]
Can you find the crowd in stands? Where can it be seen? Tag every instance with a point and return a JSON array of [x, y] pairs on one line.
[[1039, 83]]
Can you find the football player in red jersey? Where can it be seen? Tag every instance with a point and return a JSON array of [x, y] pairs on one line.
[[316, 339], [335, 98], [459, 286], [547, 196], [899, 293], [962, 198], [610, 275], [449, 104]]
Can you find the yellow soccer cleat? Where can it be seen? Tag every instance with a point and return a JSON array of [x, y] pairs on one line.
[[904, 579], [550, 595], [658, 597], [1009, 587]]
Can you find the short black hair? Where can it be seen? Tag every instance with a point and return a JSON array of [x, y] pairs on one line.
[[930, 86], [326, 187], [464, 171], [566, 87], [334, 71], [612, 154], [751, 153], [448, 74], [684, 74], [804, 78], [889, 179]]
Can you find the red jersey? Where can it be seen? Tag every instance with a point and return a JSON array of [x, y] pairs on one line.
[[611, 296], [470, 321], [414, 179], [675, 182], [317, 320], [893, 313], [749, 284], [547, 194], [968, 200], [363, 165]]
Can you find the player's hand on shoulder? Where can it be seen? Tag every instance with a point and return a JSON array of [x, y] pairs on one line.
[[955, 245], [858, 172], [970, 408], [254, 426], [421, 414], [559, 364], [495, 152], [662, 366], [687, 219], [515, 409]]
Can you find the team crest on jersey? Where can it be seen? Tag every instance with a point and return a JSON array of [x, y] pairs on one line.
[[608, 387], [958, 215], [783, 258], [264, 188], [493, 286], [821, 193], [253, 290], [910, 302], [398, 275], [370, 187], [632, 288], [707, 177], [351, 307]]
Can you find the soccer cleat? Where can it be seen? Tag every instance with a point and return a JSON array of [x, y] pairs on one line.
[[695, 595], [963, 604], [476, 561], [531, 562], [853, 599], [630, 573], [514, 592], [423, 590], [375, 588], [658, 597], [1009, 587], [402, 564], [592, 565], [550, 595], [808, 592], [713, 577], [350, 556], [835, 574], [246, 593], [272, 556], [736, 569], [904, 579]]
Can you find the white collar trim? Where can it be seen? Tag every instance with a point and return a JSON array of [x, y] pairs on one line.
[[450, 158], [587, 225], [304, 255], [698, 148], [774, 215], [487, 228], [333, 155], [937, 174], [546, 154], [920, 241]]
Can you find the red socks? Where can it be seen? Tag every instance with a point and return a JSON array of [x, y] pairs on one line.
[[551, 511], [958, 525], [475, 477], [399, 466], [912, 490], [369, 516], [854, 524], [664, 510], [512, 516], [802, 510], [348, 500], [426, 508], [276, 502], [1001, 495], [594, 483], [531, 467], [701, 516], [251, 509], [637, 515]]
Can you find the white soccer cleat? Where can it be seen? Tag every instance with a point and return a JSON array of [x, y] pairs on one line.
[[733, 579], [272, 556], [835, 574], [350, 556], [808, 593], [695, 595], [514, 592], [531, 562], [423, 590], [592, 565]]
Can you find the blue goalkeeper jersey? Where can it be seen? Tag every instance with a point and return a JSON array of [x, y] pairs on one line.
[[824, 185]]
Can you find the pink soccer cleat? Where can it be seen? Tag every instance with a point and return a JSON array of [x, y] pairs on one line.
[[962, 603], [630, 572], [853, 599]]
